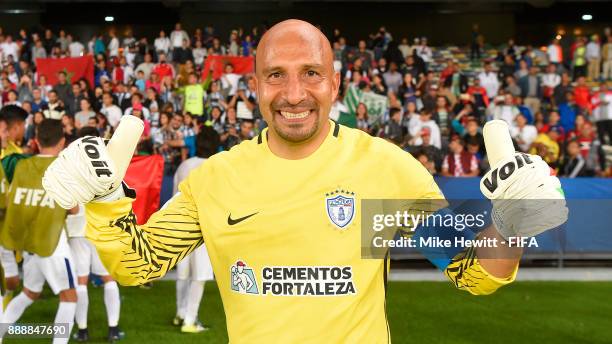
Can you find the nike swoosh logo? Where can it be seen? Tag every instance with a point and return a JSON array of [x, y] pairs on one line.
[[232, 222]]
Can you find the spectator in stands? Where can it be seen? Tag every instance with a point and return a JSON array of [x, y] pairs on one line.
[[590, 149], [410, 66], [550, 81], [472, 134], [217, 48], [531, 89], [554, 122], [199, 53], [580, 121], [246, 130], [183, 53], [86, 89], [459, 162], [393, 79], [75, 47], [424, 52], [365, 55], [146, 66], [163, 68], [579, 63], [488, 80], [362, 118], [113, 44], [393, 129], [476, 148], [136, 100], [229, 81], [512, 87], [511, 48], [573, 164], [188, 131], [559, 93], [416, 126], [38, 52], [247, 96], [503, 108], [606, 54], [216, 120], [110, 110], [24, 89], [524, 134], [404, 47], [547, 147], [82, 117], [524, 109], [62, 88], [101, 73], [54, 109], [378, 86], [38, 103], [176, 39], [407, 90], [456, 81], [442, 115], [601, 103], [555, 53], [162, 43], [477, 43], [73, 102], [104, 127], [30, 131], [582, 94], [424, 159], [479, 95], [523, 69], [121, 97], [593, 56], [507, 68], [231, 135]]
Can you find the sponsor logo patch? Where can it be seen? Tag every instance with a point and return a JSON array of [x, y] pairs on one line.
[[243, 279]]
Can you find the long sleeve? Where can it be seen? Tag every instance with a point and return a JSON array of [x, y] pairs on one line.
[[466, 273], [136, 254]]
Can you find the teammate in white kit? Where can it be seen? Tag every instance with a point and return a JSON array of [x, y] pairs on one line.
[[195, 269]]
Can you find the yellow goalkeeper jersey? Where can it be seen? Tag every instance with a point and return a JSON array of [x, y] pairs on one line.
[[283, 237]]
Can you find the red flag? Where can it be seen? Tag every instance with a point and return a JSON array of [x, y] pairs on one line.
[[242, 65], [145, 175], [75, 68]]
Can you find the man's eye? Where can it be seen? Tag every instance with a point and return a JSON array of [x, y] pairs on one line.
[[312, 73], [275, 75]]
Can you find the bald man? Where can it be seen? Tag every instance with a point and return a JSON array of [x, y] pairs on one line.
[[280, 214]]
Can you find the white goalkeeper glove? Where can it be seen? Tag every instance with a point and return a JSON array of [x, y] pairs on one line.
[[527, 198], [83, 172]]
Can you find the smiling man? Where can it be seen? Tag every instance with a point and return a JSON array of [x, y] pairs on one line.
[[280, 215]]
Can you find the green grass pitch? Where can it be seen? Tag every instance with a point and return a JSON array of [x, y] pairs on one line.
[[418, 312]]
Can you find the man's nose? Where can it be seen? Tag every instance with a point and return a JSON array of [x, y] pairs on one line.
[[295, 92]]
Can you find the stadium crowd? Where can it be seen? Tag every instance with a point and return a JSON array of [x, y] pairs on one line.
[[556, 100]]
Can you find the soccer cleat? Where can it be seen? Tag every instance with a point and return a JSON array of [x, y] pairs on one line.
[[115, 334], [195, 328], [81, 336], [177, 321]]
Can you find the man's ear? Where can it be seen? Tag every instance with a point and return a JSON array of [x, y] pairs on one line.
[[336, 85]]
